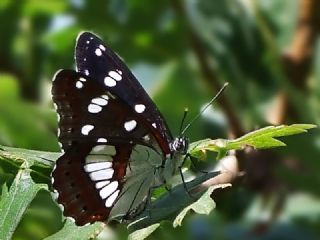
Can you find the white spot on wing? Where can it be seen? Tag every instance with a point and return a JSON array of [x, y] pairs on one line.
[[98, 52], [130, 125], [102, 140], [55, 194], [86, 72], [106, 97], [108, 190], [61, 207], [115, 75], [104, 149], [101, 174], [91, 167], [102, 47], [146, 138], [112, 198], [109, 82], [99, 101], [101, 184], [79, 84], [139, 108], [154, 125], [98, 158], [86, 129], [93, 108]]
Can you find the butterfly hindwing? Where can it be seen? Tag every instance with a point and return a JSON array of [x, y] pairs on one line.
[[89, 178]]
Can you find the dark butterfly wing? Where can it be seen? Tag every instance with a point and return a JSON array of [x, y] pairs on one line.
[[89, 112], [99, 132], [95, 60], [88, 179]]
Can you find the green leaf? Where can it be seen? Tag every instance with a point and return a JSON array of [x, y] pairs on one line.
[[143, 233], [259, 139], [203, 205], [72, 232], [32, 157], [171, 203], [265, 137], [14, 203]]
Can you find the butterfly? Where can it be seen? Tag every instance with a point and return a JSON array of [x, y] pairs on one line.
[[116, 144]]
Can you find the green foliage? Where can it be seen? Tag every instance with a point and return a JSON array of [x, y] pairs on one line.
[[23, 190], [203, 205], [72, 232], [14, 203], [259, 139], [166, 45], [143, 233]]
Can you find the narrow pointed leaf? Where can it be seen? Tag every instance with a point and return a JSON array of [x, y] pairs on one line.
[[143, 233], [259, 139], [14, 203]]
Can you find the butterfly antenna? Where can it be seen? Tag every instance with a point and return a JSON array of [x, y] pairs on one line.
[[183, 120], [205, 107]]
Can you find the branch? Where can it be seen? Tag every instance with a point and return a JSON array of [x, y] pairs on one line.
[[298, 58]]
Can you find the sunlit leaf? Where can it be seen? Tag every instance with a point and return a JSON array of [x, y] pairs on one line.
[[31, 156], [14, 203], [203, 205], [143, 233], [72, 232], [171, 203], [259, 139]]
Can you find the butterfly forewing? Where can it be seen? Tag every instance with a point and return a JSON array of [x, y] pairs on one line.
[[99, 62], [92, 113]]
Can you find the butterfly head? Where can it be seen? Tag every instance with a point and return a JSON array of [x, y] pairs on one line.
[[180, 145]]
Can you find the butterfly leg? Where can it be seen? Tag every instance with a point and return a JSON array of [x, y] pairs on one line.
[[132, 214], [148, 200], [182, 176], [194, 165]]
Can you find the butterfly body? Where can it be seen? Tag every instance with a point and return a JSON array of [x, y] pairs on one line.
[[117, 146]]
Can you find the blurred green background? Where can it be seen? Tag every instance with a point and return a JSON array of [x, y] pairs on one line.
[[182, 51]]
